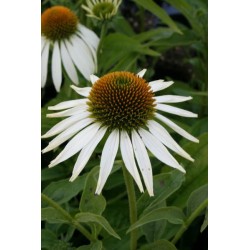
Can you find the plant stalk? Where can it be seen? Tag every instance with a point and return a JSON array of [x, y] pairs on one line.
[[132, 206]]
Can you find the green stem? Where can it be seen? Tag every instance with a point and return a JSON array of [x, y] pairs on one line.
[[132, 206], [68, 217], [190, 219]]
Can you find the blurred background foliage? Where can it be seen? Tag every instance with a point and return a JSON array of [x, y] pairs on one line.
[[169, 38]]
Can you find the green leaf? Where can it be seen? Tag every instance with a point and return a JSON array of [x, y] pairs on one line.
[[205, 222], [62, 191], [159, 12], [159, 245], [51, 215], [164, 185], [93, 246], [89, 201], [196, 198], [89, 217], [121, 25], [197, 171], [48, 239], [172, 214]]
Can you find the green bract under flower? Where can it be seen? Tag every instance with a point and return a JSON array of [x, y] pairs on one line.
[[121, 100], [101, 9], [58, 23]]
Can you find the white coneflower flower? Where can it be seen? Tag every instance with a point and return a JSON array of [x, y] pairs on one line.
[[123, 106], [73, 45], [101, 9]]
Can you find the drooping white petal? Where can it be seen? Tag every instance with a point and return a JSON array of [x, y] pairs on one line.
[[176, 128], [69, 112], [78, 142], [157, 148], [128, 158], [107, 160], [143, 161], [68, 104], [68, 133], [175, 111], [56, 67], [68, 64], [78, 58], [64, 124], [172, 98], [44, 63], [89, 36], [93, 78], [86, 152], [141, 73], [82, 91], [43, 42], [159, 85], [162, 134]]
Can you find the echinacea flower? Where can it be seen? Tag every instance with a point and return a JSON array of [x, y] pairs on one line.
[[72, 43], [124, 107], [101, 9]]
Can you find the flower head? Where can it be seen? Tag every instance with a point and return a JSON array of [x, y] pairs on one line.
[[101, 9], [124, 107], [74, 45]]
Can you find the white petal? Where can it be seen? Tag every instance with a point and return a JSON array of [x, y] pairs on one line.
[[176, 128], [93, 78], [64, 136], [44, 63], [162, 134], [107, 160], [86, 152], [56, 67], [43, 42], [68, 104], [78, 59], [157, 148], [82, 91], [64, 124], [68, 64], [91, 38], [172, 98], [143, 162], [141, 73], [128, 158], [77, 143], [175, 111], [69, 112], [159, 85]]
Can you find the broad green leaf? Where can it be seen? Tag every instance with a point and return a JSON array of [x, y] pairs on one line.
[[164, 185], [89, 217], [51, 215], [153, 231], [159, 12], [48, 238], [205, 222], [154, 34], [159, 245], [62, 191], [196, 199], [172, 214], [89, 201], [196, 172], [121, 25], [93, 246]]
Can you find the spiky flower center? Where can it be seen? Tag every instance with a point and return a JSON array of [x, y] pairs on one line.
[[58, 23], [103, 9], [122, 100]]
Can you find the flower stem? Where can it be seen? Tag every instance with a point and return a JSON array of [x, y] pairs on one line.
[[102, 35], [68, 217], [132, 206], [190, 219]]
